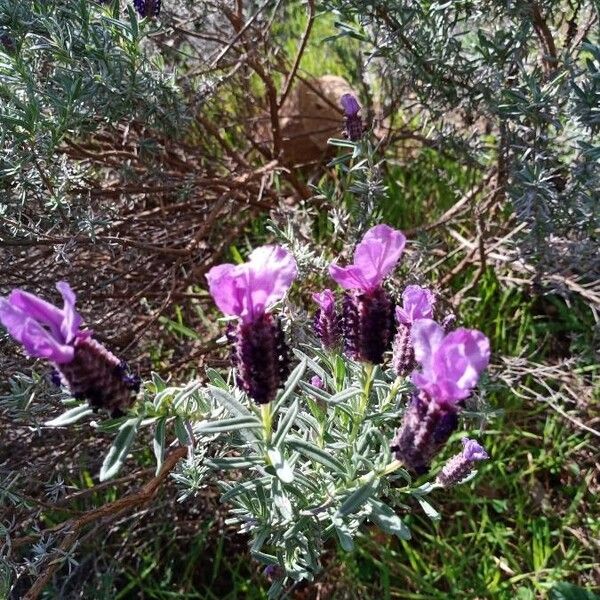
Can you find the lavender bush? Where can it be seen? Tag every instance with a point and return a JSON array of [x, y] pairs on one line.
[[341, 442]]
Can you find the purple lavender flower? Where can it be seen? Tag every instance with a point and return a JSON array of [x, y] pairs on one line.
[[367, 320], [81, 363], [327, 321], [451, 366], [354, 128], [259, 353], [460, 465], [317, 382], [417, 303], [147, 8]]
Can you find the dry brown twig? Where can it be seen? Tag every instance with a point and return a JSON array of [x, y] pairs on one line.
[[73, 528]]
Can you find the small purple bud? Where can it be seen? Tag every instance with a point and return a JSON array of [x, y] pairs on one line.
[[350, 105], [326, 321], [259, 356], [460, 465], [354, 125], [273, 572], [426, 427], [403, 356], [147, 8], [317, 382]]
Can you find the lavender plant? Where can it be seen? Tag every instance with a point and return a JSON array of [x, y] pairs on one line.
[[342, 441]]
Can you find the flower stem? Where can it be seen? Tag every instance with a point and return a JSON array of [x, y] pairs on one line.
[[363, 404], [266, 411]]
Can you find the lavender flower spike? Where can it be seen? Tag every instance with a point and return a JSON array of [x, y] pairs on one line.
[[451, 365], [368, 321], [247, 291], [417, 303], [460, 465], [354, 126], [147, 8], [326, 321], [82, 364]]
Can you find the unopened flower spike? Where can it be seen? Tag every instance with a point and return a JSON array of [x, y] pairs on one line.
[[81, 363], [451, 366], [354, 128], [259, 353], [417, 303], [147, 8], [368, 315], [462, 464], [327, 322]]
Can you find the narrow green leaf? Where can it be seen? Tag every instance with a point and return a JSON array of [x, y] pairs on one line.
[[158, 442], [290, 385], [181, 432], [358, 497], [283, 470], [120, 446], [229, 402], [70, 416], [387, 520], [226, 425], [315, 453], [286, 423]]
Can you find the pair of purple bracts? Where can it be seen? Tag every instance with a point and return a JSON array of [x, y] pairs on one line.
[[81, 363]]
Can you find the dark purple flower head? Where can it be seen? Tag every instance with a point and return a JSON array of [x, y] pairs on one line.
[[44, 330], [259, 353], [417, 303], [451, 363], [147, 8], [81, 363], [353, 122], [460, 465], [327, 321], [368, 322], [375, 258], [426, 427]]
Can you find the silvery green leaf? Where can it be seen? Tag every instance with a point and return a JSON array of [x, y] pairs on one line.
[[387, 520], [290, 385], [158, 442], [286, 423], [276, 590], [181, 432], [428, 509], [216, 379], [318, 370], [359, 496], [234, 462], [316, 454], [284, 506], [243, 488], [184, 394], [225, 425], [229, 402], [118, 451], [344, 395], [315, 391], [282, 468], [70, 416], [345, 538]]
